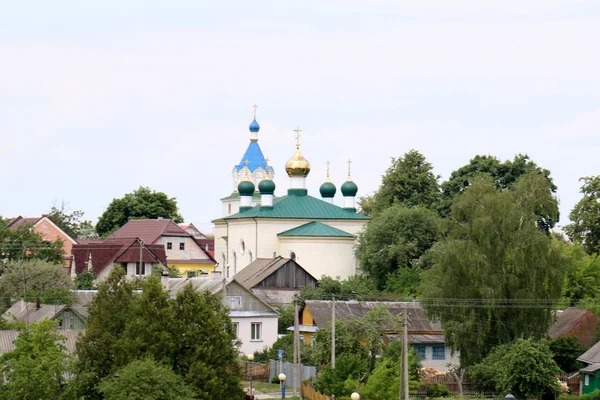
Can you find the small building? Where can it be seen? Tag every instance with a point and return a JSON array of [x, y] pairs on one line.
[[275, 280], [579, 323], [425, 336], [590, 375]]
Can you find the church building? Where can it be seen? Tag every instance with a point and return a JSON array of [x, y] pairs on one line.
[[315, 232]]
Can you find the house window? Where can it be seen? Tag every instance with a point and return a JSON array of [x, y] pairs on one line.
[[438, 352], [586, 380], [236, 329], [181, 246], [234, 302], [169, 245], [293, 255], [256, 331], [140, 269], [420, 350]]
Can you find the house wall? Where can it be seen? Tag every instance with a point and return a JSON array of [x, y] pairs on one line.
[[589, 384], [70, 320], [269, 333], [130, 270], [443, 366], [192, 251], [50, 233], [585, 330]]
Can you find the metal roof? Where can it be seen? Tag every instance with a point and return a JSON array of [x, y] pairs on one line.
[[299, 206], [261, 268], [316, 229], [592, 356], [149, 230], [255, 158], [565, 321], [8, 337]]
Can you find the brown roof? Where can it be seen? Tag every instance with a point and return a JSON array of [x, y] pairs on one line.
[[260, 269], [417, 320], [20, 221], [566, 320], [149, 230], [118, 250], [206, 244]]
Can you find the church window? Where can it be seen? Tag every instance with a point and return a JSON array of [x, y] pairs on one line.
[[223, 260], [229, 207], [250, 255], [234, 263], [242, 247], [293, 255]]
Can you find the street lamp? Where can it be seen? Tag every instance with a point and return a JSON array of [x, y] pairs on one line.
[[509, 396], [355, 396], [282, 380], [250, 358]]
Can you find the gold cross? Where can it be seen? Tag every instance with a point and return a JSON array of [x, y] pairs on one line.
[[298, 130], [349, 166], [327, 168], [255, 107]]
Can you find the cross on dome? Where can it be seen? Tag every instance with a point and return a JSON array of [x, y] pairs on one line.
[[255, 107], [349, 167], [298, 130]]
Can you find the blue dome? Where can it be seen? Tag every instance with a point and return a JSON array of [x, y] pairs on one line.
[[254, 127]]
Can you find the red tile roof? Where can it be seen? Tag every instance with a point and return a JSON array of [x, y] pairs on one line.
[[118, 250], [149, 230]]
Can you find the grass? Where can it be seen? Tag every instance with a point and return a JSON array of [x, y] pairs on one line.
[[263, 387]]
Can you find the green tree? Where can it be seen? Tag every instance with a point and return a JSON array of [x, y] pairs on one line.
[[384, 381], [143, 203], [497, 276], [585, 228], [357, 286], [345, 378], [395, 239], [286, 319], [566, 350], [4, 221], [70, 222], [525, 366], [85, 281], [503, 175], [37, 367], [35, 278], [346, 342], [145, 380], [24, 244], [582, 279], [408, 181]]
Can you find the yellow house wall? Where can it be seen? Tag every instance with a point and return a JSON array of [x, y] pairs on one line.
[[184, 268], [307, 318]]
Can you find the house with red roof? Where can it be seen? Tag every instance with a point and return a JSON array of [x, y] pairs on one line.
[[181, 248]]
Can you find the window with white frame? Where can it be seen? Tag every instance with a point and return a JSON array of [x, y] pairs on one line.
[[256, 331], [234, 302], [438, 352], [140, 269], [236, 329]]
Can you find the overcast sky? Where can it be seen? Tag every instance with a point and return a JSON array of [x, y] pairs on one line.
[[98, 98]]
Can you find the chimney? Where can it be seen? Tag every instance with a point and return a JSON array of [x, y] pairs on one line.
[[37, 303]]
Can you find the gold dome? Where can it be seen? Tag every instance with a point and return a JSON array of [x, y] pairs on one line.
[[297, 166]]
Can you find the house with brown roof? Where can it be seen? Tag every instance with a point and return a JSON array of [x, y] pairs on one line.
[[181, 248], [576, 322], [131, 254], [49, 232], [424, 335], [275, 280]]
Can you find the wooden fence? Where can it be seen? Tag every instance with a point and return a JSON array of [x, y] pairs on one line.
[[308, 393], [260, 372]]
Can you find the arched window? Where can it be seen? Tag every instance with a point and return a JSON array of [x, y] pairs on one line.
[[229, 207], [250, 255], [223, 262], [293, 255], [234, 263], [242, 246]]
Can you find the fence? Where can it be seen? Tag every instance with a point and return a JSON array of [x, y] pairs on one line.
[[308, 393], [260, 372], [469, 387], [308, 372]]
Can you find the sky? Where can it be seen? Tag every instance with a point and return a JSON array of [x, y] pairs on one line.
[[98, 99]]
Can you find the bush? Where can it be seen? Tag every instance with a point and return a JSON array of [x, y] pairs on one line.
[[435, 390], [275, 379]]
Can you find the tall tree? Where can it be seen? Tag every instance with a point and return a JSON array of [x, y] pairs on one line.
[[24, 244], [497, 276], [396, 239], [37, 367], [70, 222], [585, 228], [409, 181], [582, 280], [503, 175], [143, 203]]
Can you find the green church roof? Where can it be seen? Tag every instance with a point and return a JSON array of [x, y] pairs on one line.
[[316, 229], [298, 205], [236, 195]]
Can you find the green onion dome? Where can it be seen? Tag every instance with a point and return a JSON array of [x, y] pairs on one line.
[[246, 188], [266, 186], [327, 190], [349, 189]]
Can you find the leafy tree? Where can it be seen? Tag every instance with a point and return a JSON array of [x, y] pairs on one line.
[[24, 244], [496, 277], [409, 181], [384, 382], [566, 350], [143, 203], [4, 221], [357, 286], [404, 282], [37, 367], [525, 366], [344, 379], [503, 175], [582, 279], [71, 223], [85, 281], [145, 380], [585, 228], [396, 239], [36, 278], [286, 319], [346, 342]]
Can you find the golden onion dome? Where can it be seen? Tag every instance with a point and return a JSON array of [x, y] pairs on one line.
[[297, 166]]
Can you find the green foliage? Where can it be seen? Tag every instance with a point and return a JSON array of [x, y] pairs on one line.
[[24, 244], [404, 282], [349, 370], [85, 281], [393, 351], [36, 278], [173, 272], [357, 286], [145, 380], [525, 366], [583, 277], [503, 175], [4, 221], [71, 223], [496, 255], [384, 382], [143, 203], [346, 342], [437, 390], [36, 368], [396, 239], [191, 333], [566, 350], [409, 181], [585, 228], [286, 319]]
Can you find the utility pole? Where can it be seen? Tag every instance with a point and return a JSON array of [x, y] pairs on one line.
[[333, 331], [296, 345], [405, 352], [141, 259]]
